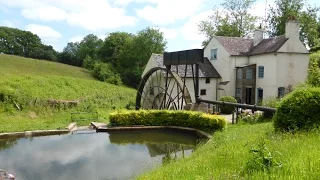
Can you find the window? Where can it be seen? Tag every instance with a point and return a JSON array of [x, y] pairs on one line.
[[207, 80], [213, 54], [238, 92], [260, 72], [203, 92], [239, 74], [281, 92], [249, 74], [260, 95]]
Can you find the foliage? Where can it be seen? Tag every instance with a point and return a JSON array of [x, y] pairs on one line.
[[233, 21], [24, 43], [168, 118], [225, 109], [262, 159], [305, 14], [299, 110], [314, 70], [226, 155], [70, 54], [104, 72], [253, 118]]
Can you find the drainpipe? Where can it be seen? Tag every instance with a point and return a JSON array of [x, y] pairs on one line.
[[217, 88]]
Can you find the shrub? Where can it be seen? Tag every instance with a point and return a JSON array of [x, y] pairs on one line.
[[104, 72], [299, 110], [190, 119], [225, 109]]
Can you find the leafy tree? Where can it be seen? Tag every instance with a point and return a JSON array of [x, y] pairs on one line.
[[306, 14], [233, 21], [69, 55], [136, 53], [112, 47], [89, 46], [24, 43]]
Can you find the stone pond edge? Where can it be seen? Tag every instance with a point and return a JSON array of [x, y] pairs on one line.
[[100, 128]]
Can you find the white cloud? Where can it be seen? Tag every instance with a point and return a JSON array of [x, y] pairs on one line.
[[169, 33], [47, 13], [190, 30], [92, 15], [43, 31], [169, 11]]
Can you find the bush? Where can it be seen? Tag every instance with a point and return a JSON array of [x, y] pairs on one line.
[[225, 109], [104, 72], [299, 110], [190, 119]]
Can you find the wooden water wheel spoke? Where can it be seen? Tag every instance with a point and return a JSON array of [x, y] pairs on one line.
[[156, 90]]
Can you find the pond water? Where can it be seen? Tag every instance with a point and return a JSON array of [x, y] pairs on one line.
[[90, 155]]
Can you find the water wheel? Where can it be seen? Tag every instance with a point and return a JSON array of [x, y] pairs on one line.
[[160, 88]]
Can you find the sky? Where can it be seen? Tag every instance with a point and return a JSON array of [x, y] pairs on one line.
[[58, 22]]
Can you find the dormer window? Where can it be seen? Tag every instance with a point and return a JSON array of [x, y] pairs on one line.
[[213, 54]]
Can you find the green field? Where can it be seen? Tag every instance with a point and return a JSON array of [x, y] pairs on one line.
[[229, 155], [26, 85]]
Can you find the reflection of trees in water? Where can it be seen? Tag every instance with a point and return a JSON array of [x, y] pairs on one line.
[[169, 150], [8, 143]]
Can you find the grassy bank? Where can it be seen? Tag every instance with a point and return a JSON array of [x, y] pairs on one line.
[[27, 86], [249, 152]]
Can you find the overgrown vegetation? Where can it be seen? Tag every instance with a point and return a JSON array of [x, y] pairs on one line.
[[225, 109], [314, 70], [37, 94], [248, 152], [168, 118]]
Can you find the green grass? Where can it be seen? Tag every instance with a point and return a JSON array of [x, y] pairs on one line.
[[31, 83], [19, 66], [226, 156]]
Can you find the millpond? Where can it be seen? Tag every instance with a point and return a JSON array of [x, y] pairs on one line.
[[89, 155]]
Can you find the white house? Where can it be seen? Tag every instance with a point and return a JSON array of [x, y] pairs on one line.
[[257, 68], [249, 69]]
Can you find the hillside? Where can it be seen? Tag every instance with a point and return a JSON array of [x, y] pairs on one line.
[[28, 86]]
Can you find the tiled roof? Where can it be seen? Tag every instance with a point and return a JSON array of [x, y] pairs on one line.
[[206, 68], [268, 45], [235, 45], [244, 47]]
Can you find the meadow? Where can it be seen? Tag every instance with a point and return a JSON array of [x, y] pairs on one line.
[[26, 85]]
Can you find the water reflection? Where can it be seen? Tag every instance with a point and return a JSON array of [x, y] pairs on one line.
[[119, 155]]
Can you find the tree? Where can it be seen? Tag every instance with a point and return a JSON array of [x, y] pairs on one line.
[[233, 21], [112, 46], [70, 54], [305, 14], [89, 46], [136, 53]]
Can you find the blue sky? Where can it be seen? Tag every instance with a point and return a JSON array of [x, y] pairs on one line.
[[57, 22]]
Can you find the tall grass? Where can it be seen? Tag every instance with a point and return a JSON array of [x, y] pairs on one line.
[[249, 152], [26, 85]]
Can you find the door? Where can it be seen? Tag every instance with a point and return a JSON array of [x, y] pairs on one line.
[[248, 95]]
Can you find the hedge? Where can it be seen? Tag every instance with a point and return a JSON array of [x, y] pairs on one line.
[[225, 109], [299, 110], [190, 119]]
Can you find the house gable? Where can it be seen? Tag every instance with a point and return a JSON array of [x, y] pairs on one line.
[[293, 45]]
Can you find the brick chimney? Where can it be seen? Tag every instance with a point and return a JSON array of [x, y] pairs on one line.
[[292, 28]]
